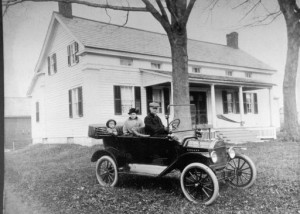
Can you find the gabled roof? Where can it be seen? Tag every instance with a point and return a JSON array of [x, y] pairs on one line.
[[106, 36]]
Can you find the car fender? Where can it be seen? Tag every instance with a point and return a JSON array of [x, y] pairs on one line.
[[184, 160], [108, 151]]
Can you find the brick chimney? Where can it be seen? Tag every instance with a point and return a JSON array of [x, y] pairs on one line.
[[233, 40], [65, 9]]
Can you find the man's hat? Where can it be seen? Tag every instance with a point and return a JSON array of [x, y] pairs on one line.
[[153, 104], [133, 110]]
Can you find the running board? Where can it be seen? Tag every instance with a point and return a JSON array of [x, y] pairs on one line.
[[144, 169]]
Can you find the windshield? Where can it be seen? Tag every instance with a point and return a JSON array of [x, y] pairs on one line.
[[186, 116]]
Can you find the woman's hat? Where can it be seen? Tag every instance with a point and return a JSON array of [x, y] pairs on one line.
[[109, 122], [133, 110]]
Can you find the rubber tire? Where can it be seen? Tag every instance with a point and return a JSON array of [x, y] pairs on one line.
[[212, 176], [116, 177], [253, 169]]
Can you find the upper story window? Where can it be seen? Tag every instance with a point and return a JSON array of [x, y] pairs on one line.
[[127, 97], [229, 73], [250, 103], [72, 54], [37, 112], [248, 74], [75, 102], [52, 64], [155, 65], [126, 61], [196, 70], [230, 102]]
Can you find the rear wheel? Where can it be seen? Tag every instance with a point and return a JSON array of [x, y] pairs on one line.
[[199, 184], [106, 171], [243, 171]]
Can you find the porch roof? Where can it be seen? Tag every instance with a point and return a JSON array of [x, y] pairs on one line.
[[212, 79]]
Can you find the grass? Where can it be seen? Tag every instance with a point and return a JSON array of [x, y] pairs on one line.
[[61, 179]]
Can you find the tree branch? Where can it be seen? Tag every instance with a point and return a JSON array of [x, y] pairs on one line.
[[163, 11], [82, 2], [253, 8], [188, 11], [170, 7]]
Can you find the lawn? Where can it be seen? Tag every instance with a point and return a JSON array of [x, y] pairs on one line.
[[61, 179]]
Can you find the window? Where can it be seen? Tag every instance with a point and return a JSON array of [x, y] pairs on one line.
[[157, 97], [75, 103], [196, 70], [126, 62], [72, 54], [250, 103], [229, 73], [230, 102], [248, 74], [127, 97], [155, 65], [52, 64], [37, 112]]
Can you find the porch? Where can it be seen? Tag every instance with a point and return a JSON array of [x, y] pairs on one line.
[[240, 109]]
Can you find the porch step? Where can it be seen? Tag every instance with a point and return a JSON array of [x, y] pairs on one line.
[[238, 136]]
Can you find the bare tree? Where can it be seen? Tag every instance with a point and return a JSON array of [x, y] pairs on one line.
[[173, 15]]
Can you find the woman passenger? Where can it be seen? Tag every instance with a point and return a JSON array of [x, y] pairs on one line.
[[132, 122]]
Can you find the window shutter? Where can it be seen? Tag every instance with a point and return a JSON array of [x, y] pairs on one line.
[[117, 98], [245, 103], [54, 63], [237, 103], [149, 97], [76, 51], [49, 68], [80, 103], [37, 111], [255, 103], [167, 99], [137, 100], [224, 98], [70, 104], [69, 55]]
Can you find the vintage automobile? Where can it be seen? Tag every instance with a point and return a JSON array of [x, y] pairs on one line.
[[202, 161]]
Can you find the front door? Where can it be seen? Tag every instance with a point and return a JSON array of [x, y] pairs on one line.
[[199, 100]]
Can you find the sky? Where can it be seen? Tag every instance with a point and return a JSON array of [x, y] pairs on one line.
[[25, 26]]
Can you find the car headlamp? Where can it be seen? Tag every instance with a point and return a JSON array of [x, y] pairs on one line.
[[214, 156], [231, 152], [193, 144]]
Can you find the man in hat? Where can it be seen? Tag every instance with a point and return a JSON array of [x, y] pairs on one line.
[[132, 122], [153, 124]]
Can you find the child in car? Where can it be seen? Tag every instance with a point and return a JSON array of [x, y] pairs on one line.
[[111, 127]]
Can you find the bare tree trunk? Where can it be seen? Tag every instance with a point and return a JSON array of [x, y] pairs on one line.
[[289, 87]]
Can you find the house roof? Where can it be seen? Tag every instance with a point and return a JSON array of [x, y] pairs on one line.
[[17, 107], [214, 79], [106, 36]]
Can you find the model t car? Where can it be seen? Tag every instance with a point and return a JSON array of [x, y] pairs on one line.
[[202, 161]]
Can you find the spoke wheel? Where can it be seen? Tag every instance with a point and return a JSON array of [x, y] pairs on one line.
[[199, 184], [106, 171], [243, 170]]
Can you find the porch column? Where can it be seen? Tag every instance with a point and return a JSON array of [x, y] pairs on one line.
[[213, 105], [241, 104], [270, 106]]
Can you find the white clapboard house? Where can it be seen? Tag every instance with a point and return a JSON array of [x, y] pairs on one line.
[[90, 71]]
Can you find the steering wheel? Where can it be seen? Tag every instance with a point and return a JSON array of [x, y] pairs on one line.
[[174, 124]]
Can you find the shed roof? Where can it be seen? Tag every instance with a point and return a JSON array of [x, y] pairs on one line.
[[101, 35]]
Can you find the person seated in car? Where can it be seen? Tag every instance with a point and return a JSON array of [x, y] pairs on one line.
[[132, 122], [153, 124], [111, 127]]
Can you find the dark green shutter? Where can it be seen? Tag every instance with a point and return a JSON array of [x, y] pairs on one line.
[[54, 63], [149, 96], [80, 103], [49, 69], [255, 103], [137, 99], [117, 98], [225, 105], [245, 103], [167, 99], [69, 55], [237, 103], [70, 104]]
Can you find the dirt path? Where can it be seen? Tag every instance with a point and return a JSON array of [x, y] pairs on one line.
[[15, 204]]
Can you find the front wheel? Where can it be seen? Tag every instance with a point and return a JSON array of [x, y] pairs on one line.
[[243, 171], [106, 171], [199, 184]]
